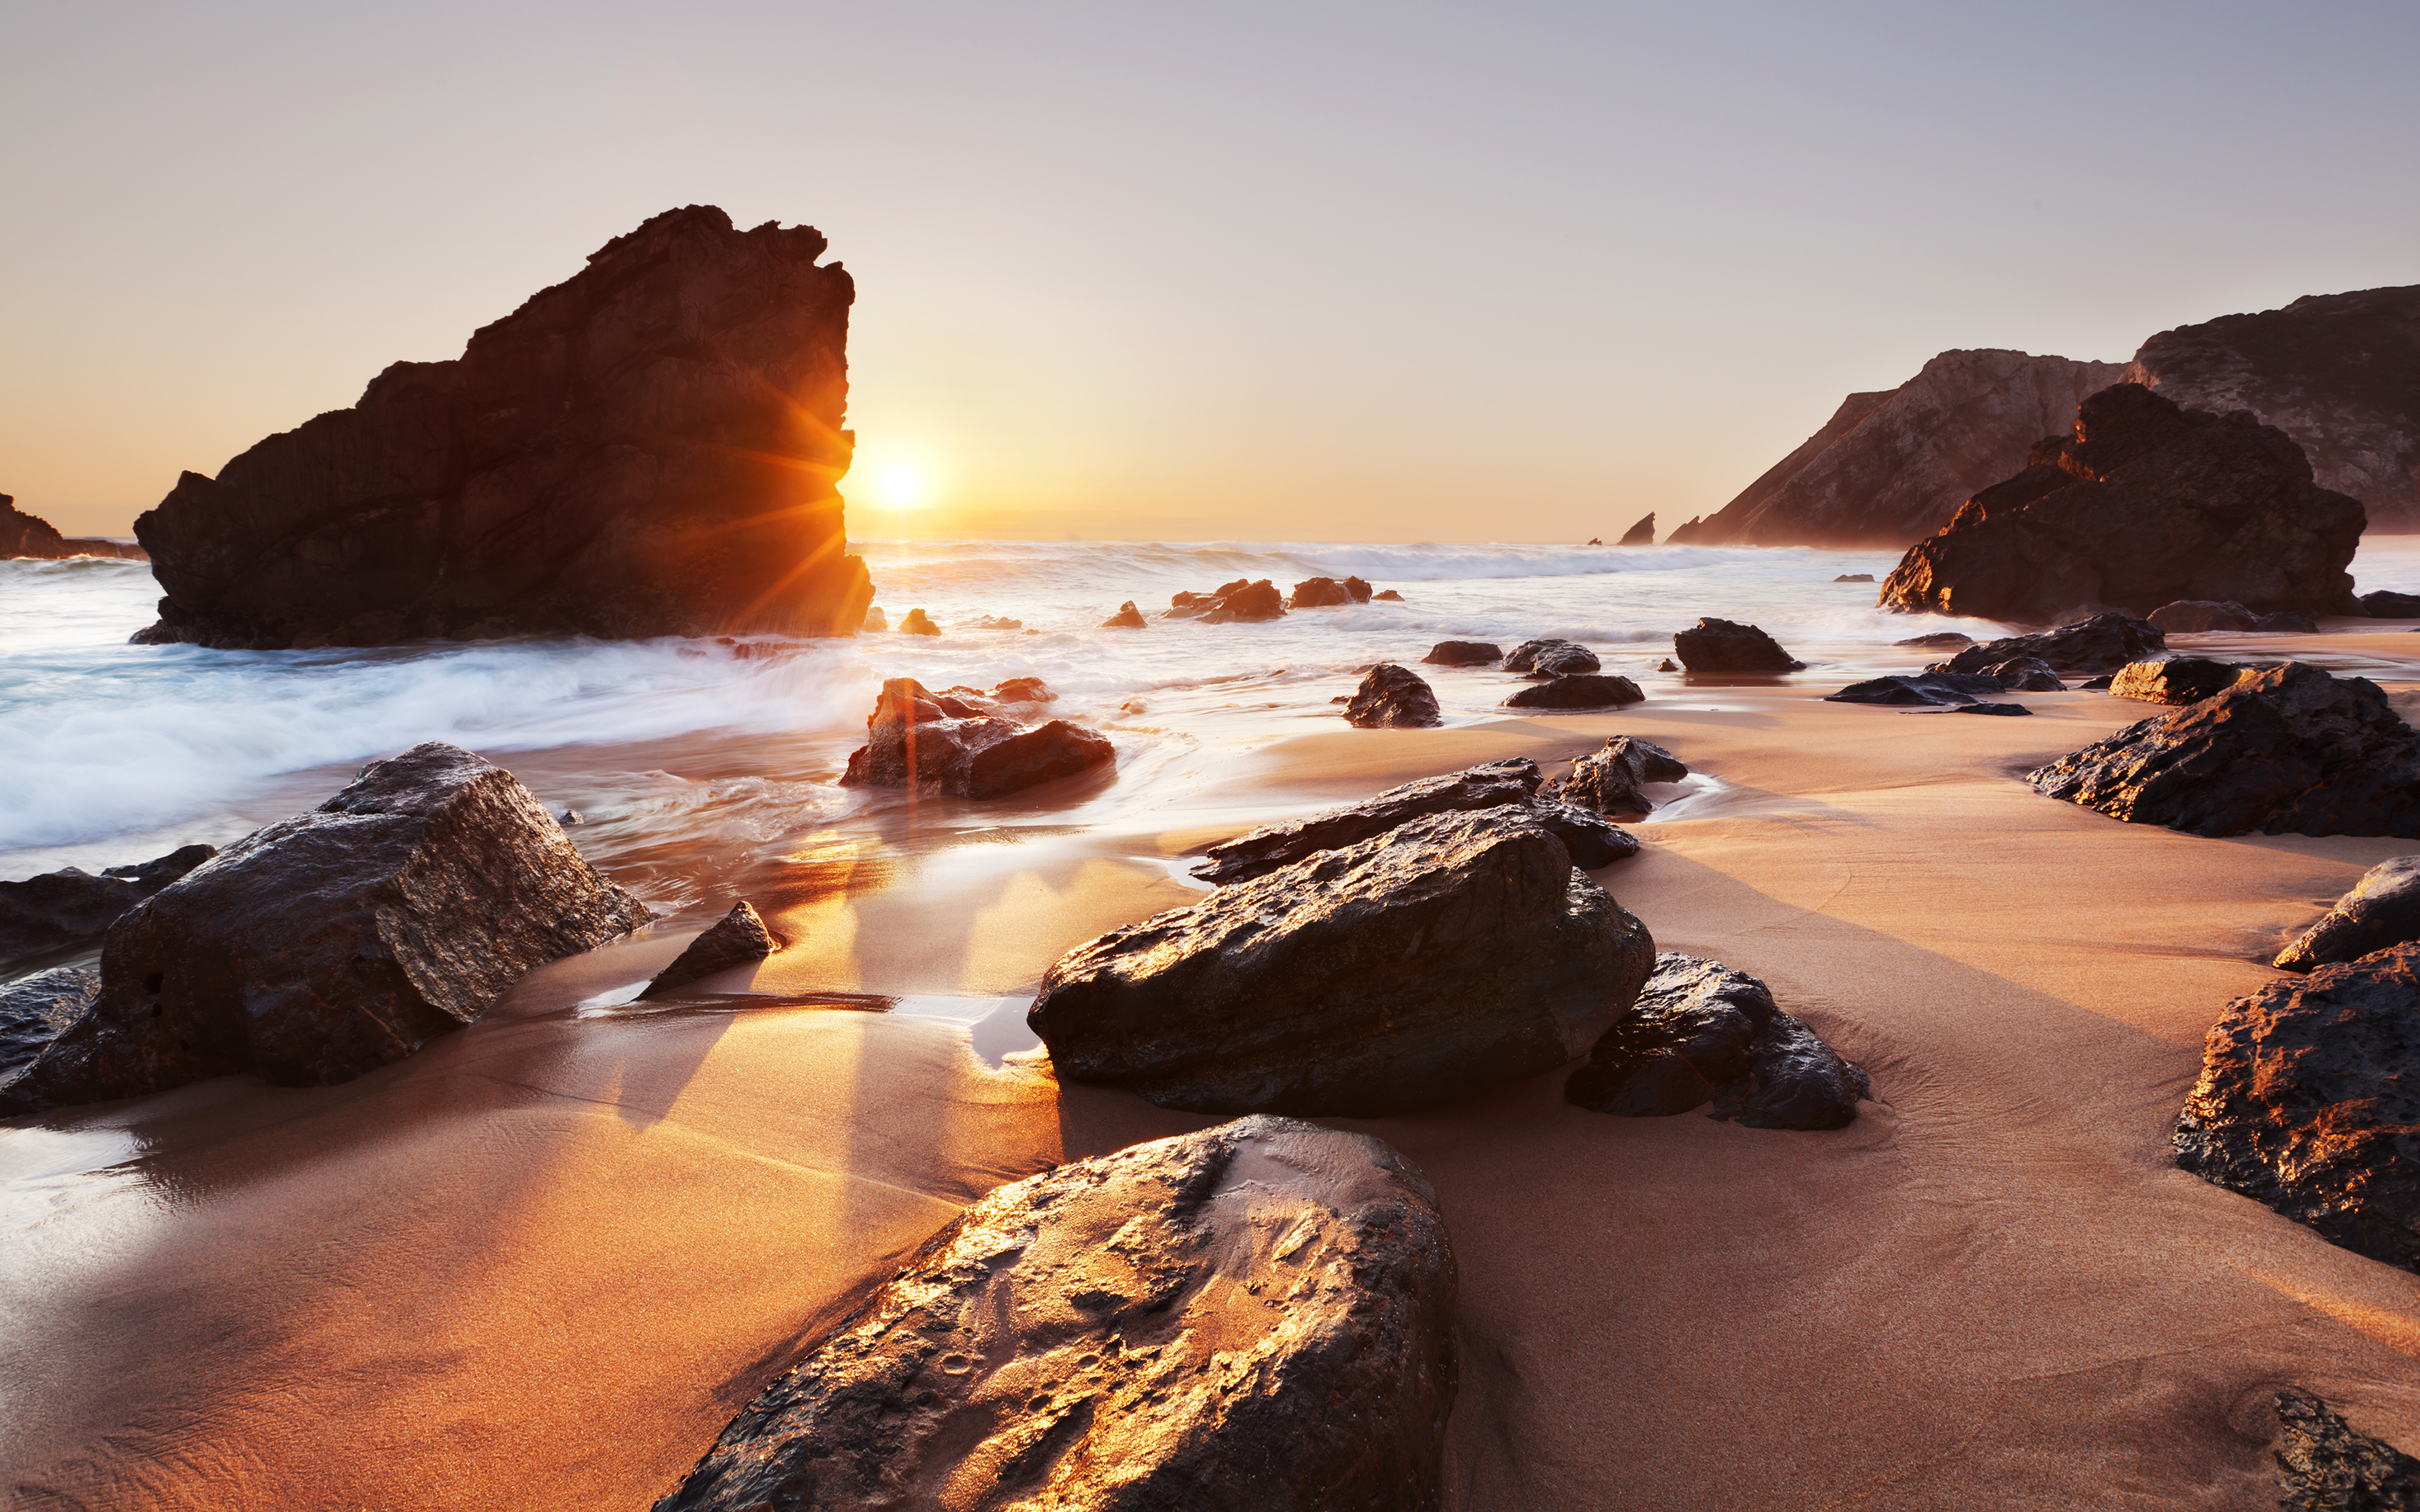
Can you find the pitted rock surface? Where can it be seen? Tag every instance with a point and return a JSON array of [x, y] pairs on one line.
[[2325, 1464], [1703, 1033], [939, 742], [1394, 697], [2382, 910]]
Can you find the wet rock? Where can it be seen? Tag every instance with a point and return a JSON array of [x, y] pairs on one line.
[[935, 743], [1642, 534], [2189, 616], [1357, 589], [1454, 953], [918, 623], [1582, 690], [570, 817], [1024, 690], [1559, 657], [1703, 1033], [1990, 708], [2145, 504], [2307, 1103], [2385, 605], [1248, 603], [738, 939], [1394, 697], [1260, 1315], [875, 619], [2285, 750], [2327, 1465], [1387, 595], [2102, 644], [2025, 674], [1462, 654], [1854, 577], [2382, 910], [1319, 592], [1939, 637], [1127, 618], [1668, 664], [328, 944], [1925, 689], [1722, 646], [2175, 680], [70, 907], [1610, 780], [35, 1009]]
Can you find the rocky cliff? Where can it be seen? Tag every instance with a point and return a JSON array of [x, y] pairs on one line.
[[2339, 373], [30, 536], [1890, 467], [648, 448]]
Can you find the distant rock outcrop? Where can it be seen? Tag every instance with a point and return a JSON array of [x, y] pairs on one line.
[[648, 448], [1642, 534], [2339, 373], [30, 536], [1891, 467], [2143, 505], [1242, 599]]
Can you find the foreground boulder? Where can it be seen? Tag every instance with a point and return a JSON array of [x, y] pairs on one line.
[[2175, 680], [1127, 618], [1462, 654], [1552, 657], [2287, 750], [2143, 505], [1713, 645], [1514, 782], [1927, 689], [2102, 644], [1455, 954], [2382, 910], [1395, 697], [1260, 1315], [332, 942], [1703, 1033], [2308, 1103], [1608, 782], [65, 909], [648, 448], [2325, 1464], [1580, 690], [936, 743], [738, 939], [35, 1011]]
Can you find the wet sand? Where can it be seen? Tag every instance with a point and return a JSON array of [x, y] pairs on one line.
[[543, 1261]]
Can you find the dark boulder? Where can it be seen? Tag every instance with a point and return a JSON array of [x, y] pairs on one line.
[[1608, 782], [1127, 618], [2192, 616], [1452, 954], [1581, 690], [738, 939], [1703, 1033], [2307, 1103], [1943, 639], [2025, 674], [2145, 504], [2325, 1464], [1357, 589], [2284, 622], [1319, 592], [68, 908], [1394, 697], [935, 743], [2287, 750], [1559, 657], [35, 1009], [1642, 534], [1241, 600], [1258, 1314], [328, 944], [1722, 646], [1854, 577], [2382, 910], [1930, 689], [918, 623], [647, 448], [1462, 654], [1990, 708], [2102, 644], [2175, 680], [2385, 605]]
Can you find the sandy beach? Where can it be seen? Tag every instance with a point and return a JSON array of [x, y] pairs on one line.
[[543, 1261]]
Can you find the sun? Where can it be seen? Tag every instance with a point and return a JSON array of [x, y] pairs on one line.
[[904, 487]]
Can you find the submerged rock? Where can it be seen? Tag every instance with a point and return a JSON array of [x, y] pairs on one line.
[[1395, 697], [35, 1009], [1610, 780], [332, 942], [1462, 654], [1723, 646], [1357, 589], [2307, 1103], [70, 907], [1451, 954], [1928, 688], [1260, 1315], [1559, 657], [1703, 1033], [2327, 1465], [738, 939], [2102, 644], [2382, 910], [935, 743], [1127, 618], [1579, 690], [2175, 680], [2287, 750]]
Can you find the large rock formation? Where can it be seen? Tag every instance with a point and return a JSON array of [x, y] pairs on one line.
[[648, 448], [1703, 1033], [1452, 954], [1641, 533], [330, 944], [30, 536], [2382, 909], [1891, 467], [2339, 373], [70, 907], [1260, 1315], [945, 742], [2144, 505]]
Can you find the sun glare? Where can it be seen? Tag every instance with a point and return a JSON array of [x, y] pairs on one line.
[[903, 487]]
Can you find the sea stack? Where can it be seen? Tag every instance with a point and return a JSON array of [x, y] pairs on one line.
[[648, 448]]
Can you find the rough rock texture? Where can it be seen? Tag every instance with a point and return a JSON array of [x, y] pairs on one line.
[[30, 536], [1260, 1315], [327, 945], [1891, 467], [61, 910], [2309, 1101], [2387, 604], [2287, 750], [2339, 373], [1558, 658], [1928, 688], [1462, 654], [1512, 782], [2327, 1465], [1454, 953], [1703, 1033], [1713, 645], [736, 938], [2175, 680], [648, 448], [35, 1009], [2025, 674], [1642, 534], [1320, 593], [2102, 644], [1392, 696], [936, 743], [2382, 910], [1581, 690], [1127, 618], [1609, 780], [2144, 505]]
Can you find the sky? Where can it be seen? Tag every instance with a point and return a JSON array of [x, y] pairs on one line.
[[1305, 271]]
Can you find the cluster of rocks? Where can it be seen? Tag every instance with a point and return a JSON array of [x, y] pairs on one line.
[[1564, 674], [30, 536], [967, 744], [1244, 600]]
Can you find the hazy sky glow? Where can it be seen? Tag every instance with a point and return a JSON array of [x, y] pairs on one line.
[[1513, 272]]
